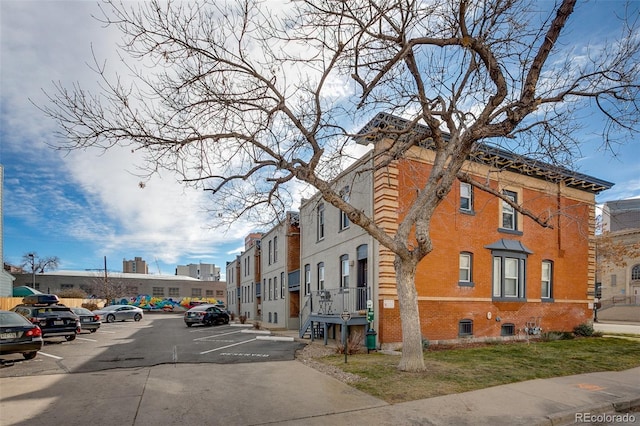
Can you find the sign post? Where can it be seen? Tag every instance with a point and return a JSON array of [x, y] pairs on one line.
[[346, 316]]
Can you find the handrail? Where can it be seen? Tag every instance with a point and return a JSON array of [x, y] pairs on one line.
[[334, 301]]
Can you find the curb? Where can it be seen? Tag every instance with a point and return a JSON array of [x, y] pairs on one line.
[[275, 338], [569, 417], [256, 331]]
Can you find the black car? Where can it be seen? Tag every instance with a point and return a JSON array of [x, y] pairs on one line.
[[206, 315], [88, 320], [54, 319], [19, 336]]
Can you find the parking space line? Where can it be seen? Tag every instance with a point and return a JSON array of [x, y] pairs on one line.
[[216, 335], [49, 355], [228, 346], [86, 340]]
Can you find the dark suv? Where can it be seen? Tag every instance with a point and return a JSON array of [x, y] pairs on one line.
[[54, 319], [205, 314]]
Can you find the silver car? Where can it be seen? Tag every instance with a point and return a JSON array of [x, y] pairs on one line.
[[113, 313]]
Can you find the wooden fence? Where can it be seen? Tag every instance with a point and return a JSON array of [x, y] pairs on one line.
[[6, 303]]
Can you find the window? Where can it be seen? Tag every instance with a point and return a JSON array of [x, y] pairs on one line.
[[635, 273], [174, 291], [307, 279], [508, 276], [269, 316], [508, 329], [275, 249], [320, 217], [208, 293], [196, 292], [275, 288], [344, 271], [157, 291], [466, 199], [465, 328], [614, 280], [131, 289], [547, 276], [465, 277], [270, 290], [270, 254], [321, 276], [275, 317], [509, 218], [66, 286], [220, 293], [282, 285], [344, 219]]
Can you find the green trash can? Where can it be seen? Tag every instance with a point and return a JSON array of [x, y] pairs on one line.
[[371, 340]]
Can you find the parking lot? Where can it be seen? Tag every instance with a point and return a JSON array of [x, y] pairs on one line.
[[157, 339]]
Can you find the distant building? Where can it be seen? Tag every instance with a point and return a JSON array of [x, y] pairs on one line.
[[620, 215], [6, 280], [199, 271], [249, 291], [130, 285], [280, 273], [135, 266], [233, 286], [618, 253]]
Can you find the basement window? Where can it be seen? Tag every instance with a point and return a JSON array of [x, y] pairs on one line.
[[508, 330], [465, 328]]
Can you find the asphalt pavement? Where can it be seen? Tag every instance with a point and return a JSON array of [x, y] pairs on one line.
[[291, 393]]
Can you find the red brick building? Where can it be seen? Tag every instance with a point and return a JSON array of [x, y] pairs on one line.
[[492, 272]]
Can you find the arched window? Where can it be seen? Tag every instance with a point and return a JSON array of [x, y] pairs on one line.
[[635, 272]]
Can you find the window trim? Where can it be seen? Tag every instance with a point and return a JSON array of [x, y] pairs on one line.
[[513, 195], [469, 282], [344, 218], [344, 271], [307, 279], [275, 288], [320, 231], [498, 276], [468, 209], [320, 268], [463, 324], [635, 272], [549, 295], [275, 249]]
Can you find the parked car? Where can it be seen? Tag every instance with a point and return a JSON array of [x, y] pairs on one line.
[[113, 313], [88, 320], [205, 315], [54, 319], [19, 336]]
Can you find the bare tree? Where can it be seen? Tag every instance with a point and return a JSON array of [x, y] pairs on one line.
[[38, 265], [106, 286], [246, 98]]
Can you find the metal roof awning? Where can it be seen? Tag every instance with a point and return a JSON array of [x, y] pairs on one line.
[[509, 245]]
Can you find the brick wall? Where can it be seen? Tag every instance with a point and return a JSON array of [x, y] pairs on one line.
[[443, 302]]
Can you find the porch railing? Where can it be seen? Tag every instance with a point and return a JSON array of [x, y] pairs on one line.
[[337, 300]]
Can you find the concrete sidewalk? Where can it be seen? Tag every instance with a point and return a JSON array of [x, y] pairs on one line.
[[291, 393]]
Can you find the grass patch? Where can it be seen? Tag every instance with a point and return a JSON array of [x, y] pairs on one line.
[[465, 369]]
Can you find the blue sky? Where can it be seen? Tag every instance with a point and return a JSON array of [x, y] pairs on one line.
[[87, 205]]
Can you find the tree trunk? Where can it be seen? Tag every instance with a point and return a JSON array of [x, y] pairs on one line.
[[412, 358]]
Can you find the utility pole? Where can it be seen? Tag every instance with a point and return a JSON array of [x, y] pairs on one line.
[[33, 270]]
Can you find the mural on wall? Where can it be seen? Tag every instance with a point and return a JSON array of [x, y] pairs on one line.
[[150, 303]]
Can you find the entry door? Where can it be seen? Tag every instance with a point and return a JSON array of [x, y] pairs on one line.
[[362, 284]]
